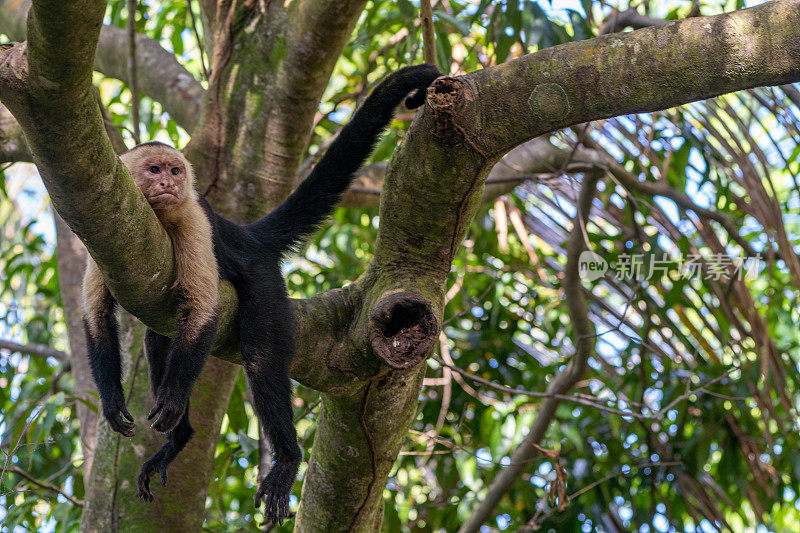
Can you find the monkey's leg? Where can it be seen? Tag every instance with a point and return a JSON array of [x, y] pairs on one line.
[[188, 352], [267, 347], [102, 340], [157, 350]]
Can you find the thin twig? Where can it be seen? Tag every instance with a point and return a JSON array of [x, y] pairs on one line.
[[45, 485], [592, 485], [308, 410], [479, 299], [563, 397], [691, 392], [428, 34], [10, 454], [540, 515], [134, 81], [197, 38], [36, 349], [453, 447]]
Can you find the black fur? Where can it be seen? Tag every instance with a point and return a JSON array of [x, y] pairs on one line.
[[156, 346], [249, 257], [106, 364], [182, 361]]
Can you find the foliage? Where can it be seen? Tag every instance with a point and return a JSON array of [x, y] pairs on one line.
[[692, 395], [37, 416]]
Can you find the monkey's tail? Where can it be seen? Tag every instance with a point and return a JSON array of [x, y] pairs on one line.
[[316, 197]]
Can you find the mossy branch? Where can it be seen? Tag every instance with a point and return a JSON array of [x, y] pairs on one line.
[[161, 77], [641, 71]]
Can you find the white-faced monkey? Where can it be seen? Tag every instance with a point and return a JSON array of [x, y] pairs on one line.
[[208, 247]]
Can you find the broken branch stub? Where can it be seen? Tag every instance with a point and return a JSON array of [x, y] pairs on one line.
[[403, 330]]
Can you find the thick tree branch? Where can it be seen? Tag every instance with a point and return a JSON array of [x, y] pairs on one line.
[[631, 18], [399, 318], [644, 70], [161, 77], [13, 148], [265, 85], [47, 85], [318, 31]]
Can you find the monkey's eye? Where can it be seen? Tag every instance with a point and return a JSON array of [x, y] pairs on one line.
[[154, 169], [174, 171]]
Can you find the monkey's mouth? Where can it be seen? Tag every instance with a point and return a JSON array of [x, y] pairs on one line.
[[162, 198]]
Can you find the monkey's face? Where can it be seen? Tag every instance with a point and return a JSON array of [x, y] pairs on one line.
[[163, 179]]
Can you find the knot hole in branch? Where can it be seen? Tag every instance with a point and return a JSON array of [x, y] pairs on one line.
[[403, 329], [446, 93]]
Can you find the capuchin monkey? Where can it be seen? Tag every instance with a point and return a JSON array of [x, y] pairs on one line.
[[208, 247]]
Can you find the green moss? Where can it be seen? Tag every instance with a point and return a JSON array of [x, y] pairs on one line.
[[277, 54]]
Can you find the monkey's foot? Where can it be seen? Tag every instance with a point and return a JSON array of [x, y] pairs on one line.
[[155, 465], [274, 491], [170, 408], [115, 411]]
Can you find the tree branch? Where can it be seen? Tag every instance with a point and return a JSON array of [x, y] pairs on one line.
[[71, 258], [298, 44], [161, 77], [13, 148], [580, 400], [45, 485], [428, 33], [37, 349], [46, 84], [583, 335], [645, 70], [620, 20], [534, 158], [133, 74]]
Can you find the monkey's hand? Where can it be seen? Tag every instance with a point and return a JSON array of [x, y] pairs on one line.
[[274, 491], [115, 411], [170, 406]]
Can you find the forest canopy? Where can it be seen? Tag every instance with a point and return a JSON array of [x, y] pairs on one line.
[[598, 206]]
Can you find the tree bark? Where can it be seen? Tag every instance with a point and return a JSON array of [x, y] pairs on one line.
[[161, 77], [362, 346]]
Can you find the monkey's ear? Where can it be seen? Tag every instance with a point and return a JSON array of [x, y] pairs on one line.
[[417, 98]]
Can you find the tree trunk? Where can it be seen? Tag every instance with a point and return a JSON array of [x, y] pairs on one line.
[[363, 346]]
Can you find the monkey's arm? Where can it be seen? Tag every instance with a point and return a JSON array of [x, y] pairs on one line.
[[198, 281], [188, 352], [102, 340]]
